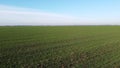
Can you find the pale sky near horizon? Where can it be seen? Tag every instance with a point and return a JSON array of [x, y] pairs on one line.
[[59, 12]]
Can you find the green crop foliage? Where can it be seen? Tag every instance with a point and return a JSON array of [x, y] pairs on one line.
[[60, 47]]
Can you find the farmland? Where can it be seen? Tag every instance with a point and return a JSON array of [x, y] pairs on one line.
[[60, 47]]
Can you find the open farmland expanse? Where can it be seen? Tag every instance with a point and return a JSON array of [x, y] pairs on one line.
[[60, 47]]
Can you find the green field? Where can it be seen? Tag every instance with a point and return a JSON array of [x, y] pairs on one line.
[[60, 47]]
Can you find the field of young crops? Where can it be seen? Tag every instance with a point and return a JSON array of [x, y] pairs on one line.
[[60, 47]]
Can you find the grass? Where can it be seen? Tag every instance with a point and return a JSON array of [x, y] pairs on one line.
[[60, 47]]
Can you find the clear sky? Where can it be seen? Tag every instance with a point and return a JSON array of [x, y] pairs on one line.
[[59, 12]]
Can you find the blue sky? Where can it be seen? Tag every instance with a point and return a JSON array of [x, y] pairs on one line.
[[59, 12]]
